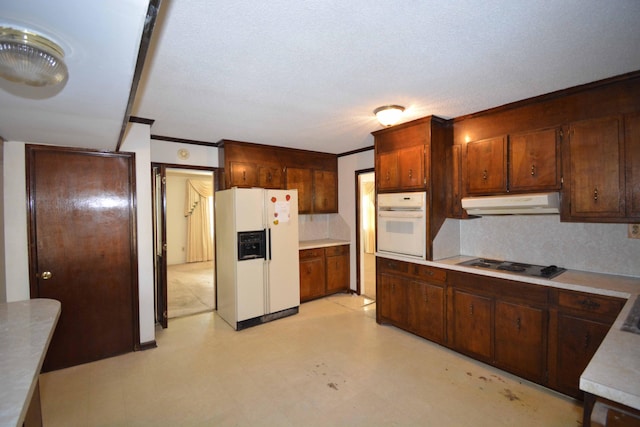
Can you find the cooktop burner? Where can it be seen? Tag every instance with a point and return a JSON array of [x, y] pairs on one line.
[[531, 270]]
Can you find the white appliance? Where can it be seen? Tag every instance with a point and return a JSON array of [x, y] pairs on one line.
[[257, 268], [402, 223], [514, 204]]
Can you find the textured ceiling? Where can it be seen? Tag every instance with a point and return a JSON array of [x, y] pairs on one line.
[[308, 74]]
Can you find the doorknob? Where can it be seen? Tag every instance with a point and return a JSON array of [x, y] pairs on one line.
[[46, 275]]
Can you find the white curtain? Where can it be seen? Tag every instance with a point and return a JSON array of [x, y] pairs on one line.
[[199, 226], [368, 216]]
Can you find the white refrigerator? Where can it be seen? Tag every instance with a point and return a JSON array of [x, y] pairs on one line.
[[257, 270]]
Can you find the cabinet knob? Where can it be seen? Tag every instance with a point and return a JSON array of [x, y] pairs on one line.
[[595, 194], [533, 170], [410, 173], [485, 174], [518, 324]]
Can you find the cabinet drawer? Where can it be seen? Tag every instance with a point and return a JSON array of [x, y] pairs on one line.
[[590, 303], [431, 274], [336, 250], [384, 264], [311, 253]]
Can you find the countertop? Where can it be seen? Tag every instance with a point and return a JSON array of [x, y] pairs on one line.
[[26, 328], [321, 243], [614, 371]]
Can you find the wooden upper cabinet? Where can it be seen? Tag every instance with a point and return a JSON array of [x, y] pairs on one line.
[[270, 177], [632, 149], [325, 191], [411, 167], [243, 174], [594, 159], [534, 160], [387, 170], [486, 163], [302, 180]]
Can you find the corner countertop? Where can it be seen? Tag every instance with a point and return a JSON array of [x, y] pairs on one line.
[[614, 371], [26, 328], [321, 243]]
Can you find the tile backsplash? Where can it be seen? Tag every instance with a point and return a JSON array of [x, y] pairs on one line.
[[543, 239], [322, 226]]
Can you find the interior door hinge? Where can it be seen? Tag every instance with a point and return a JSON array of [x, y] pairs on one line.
[[164, 180]]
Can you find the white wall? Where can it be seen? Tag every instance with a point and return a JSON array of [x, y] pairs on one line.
[[347, 167], [199, 155], [15, 220], [137, 141]]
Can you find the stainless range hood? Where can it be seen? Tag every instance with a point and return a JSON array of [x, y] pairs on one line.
[[517, 204]]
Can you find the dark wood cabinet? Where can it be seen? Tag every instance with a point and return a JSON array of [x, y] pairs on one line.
[[337, 274], [578, 325], [302, 180], [312, 274], [520, 339], [632, 165], [325, 191], [486, 165], [412, 297], [595, 164], [313, 174], [243, 174], [472, 324], [414, 156], [534, 161], [579, 339], [324, 271]]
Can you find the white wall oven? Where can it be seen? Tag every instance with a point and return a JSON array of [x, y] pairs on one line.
[[402, 224]]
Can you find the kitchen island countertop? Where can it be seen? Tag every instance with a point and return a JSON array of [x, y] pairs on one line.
[[26, 328], [614, 371], [321, 243]]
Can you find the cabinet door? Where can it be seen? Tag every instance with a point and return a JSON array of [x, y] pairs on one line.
[[632, 146], [578, 340], [486, 163], [302, 180], [243, 174], [597, 174], [425, 310], [325, 192], [411, 167], [519, 339], [534, 161], [472, 324], [387, 171], [337, 261], [312, 275], [391, 299], [269, 177]]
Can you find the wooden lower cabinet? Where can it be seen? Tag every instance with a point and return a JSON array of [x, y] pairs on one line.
[[323, 271], [472, 325], [578, 325], [520, 339], [412, 297], [543, 334]]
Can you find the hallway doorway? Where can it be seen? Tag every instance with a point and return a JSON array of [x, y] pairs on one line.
[[366, 233], [190, 263]]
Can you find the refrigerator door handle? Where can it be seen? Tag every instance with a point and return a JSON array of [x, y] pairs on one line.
[[269, 244]]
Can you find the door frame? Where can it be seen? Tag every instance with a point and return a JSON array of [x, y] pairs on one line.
[[358, 236], [160, 261]]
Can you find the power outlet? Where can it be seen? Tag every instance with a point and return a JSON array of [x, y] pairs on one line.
[[634, 231]]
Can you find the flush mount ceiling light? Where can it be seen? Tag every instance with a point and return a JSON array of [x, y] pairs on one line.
[[388, 115], [29, 58]]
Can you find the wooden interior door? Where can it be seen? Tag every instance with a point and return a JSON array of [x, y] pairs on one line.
[[160, 243], [82, 250]]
